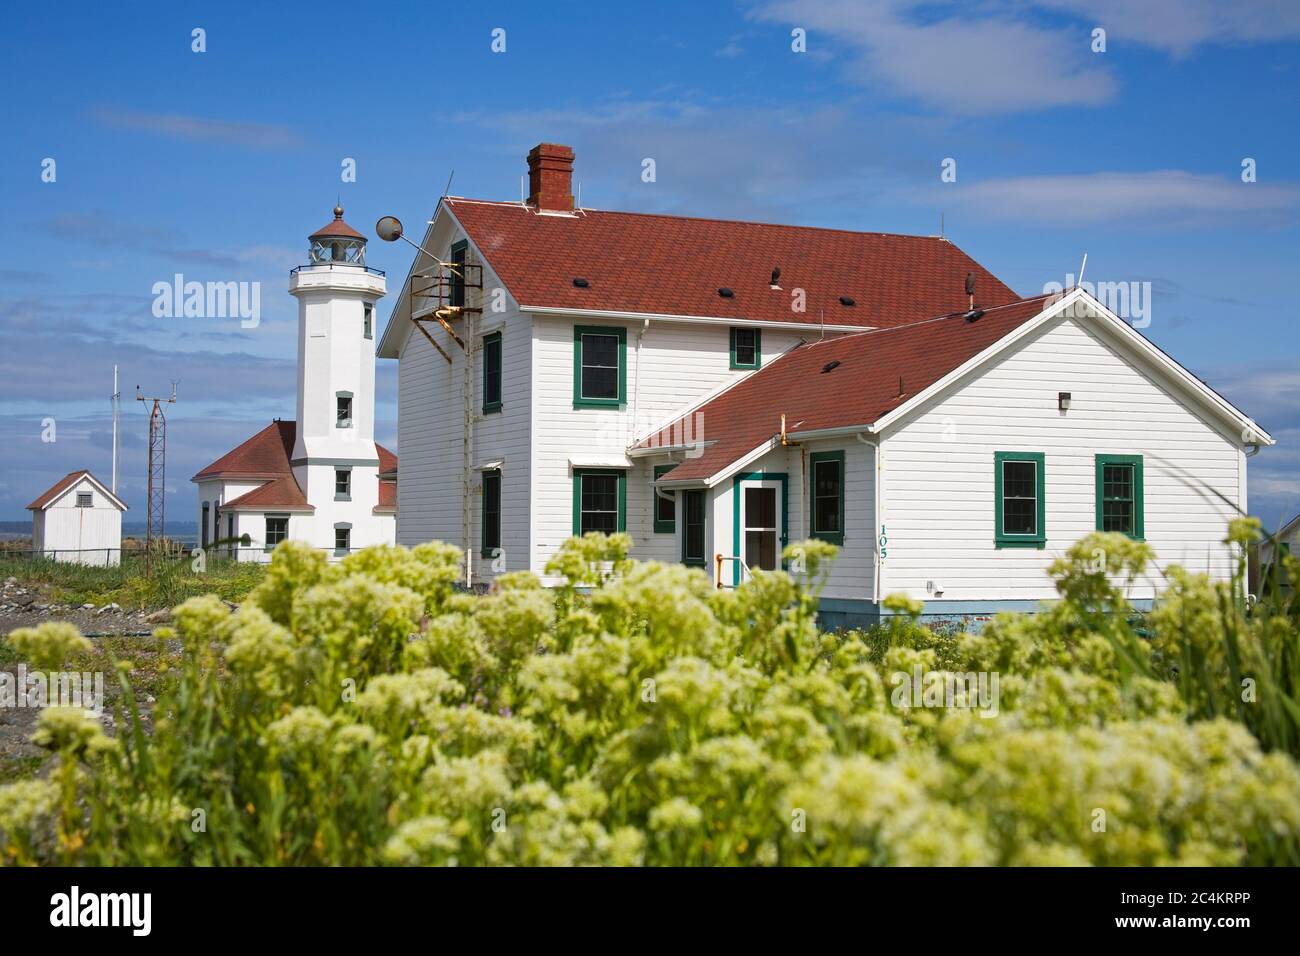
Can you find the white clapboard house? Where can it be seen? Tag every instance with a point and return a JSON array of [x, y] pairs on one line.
[[717, 389], [78, 520], [321, 479]]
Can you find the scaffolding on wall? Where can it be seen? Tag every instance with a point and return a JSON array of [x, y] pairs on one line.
[[447, 295]]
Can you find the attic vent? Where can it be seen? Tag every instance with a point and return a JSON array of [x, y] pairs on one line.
[[829, 366], [726, 293], [845, 300], [580, 282], [974, 315]]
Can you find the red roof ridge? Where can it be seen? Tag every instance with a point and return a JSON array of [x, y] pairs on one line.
[[730, 222]]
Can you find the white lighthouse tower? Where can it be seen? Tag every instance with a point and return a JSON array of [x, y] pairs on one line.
[[321, 479], [335, 459]]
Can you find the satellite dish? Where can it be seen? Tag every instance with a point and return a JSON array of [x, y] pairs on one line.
[[389, 229]]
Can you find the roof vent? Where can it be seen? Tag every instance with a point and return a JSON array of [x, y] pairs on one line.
[[726, 293], [580, 282], [776, 278], [974, 315], [845, 300], [829, 366]]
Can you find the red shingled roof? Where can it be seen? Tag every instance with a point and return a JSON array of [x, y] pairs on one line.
[[673, 265], [279, 493], [66, 482], [337, 227], [862, 388], [266, 456]]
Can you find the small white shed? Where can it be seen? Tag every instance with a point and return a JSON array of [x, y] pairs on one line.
[[78, 520]]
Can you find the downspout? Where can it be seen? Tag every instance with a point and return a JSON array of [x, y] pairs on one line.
[[636, 380], [467, 347], [876, 514]]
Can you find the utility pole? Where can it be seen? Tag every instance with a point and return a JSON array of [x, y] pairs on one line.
[[156, 527], [117, 404]]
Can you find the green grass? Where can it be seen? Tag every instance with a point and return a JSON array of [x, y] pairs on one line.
[[13, 769], [126, 584]]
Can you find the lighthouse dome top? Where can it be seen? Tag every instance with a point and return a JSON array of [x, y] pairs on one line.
[[337, 242]]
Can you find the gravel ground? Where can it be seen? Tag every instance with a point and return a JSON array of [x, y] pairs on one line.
[[28, 606]]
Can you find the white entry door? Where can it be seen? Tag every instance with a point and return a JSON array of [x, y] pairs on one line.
[[760, 524]]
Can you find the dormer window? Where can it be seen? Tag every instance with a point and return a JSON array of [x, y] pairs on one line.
[[745, 348]]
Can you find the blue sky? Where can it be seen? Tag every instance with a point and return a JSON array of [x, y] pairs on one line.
[[218, 164]]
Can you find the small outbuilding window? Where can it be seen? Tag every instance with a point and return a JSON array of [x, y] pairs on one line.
[[1018, 491], [693, 536], [746, 350], [85, 499]]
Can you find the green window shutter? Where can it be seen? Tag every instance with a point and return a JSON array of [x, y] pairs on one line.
[[665, 511], [694, 536], [491, 513], [746, 347], [599, 366], [826, 495], [599, 501], [1019, 506], [1119, 496], [492, 373]]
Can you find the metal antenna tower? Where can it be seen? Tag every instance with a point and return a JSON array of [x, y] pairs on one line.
[[156, 527]]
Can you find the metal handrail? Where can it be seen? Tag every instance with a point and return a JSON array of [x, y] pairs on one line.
[[717, 563], [331, 265]]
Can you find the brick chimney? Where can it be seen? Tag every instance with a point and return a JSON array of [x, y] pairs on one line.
[[550, 177]]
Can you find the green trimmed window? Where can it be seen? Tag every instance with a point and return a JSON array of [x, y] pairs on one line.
[[492, 373], [599, 366], [599, 501], [277, 530], [342, 484], [1020, 515], [665, 509], [694, 550], [456, 290], [826, 486], [342, 539], [491, 512], [746, 347], [1119, 495], [368, 321]]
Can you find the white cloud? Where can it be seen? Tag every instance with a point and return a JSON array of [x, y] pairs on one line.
[[1180, 26], [195, 128], [1006, 56], [1161, 198]]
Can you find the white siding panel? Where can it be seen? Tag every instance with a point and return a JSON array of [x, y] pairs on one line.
[[679, 365], [853, 574], [430, 430], [939, 488]]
